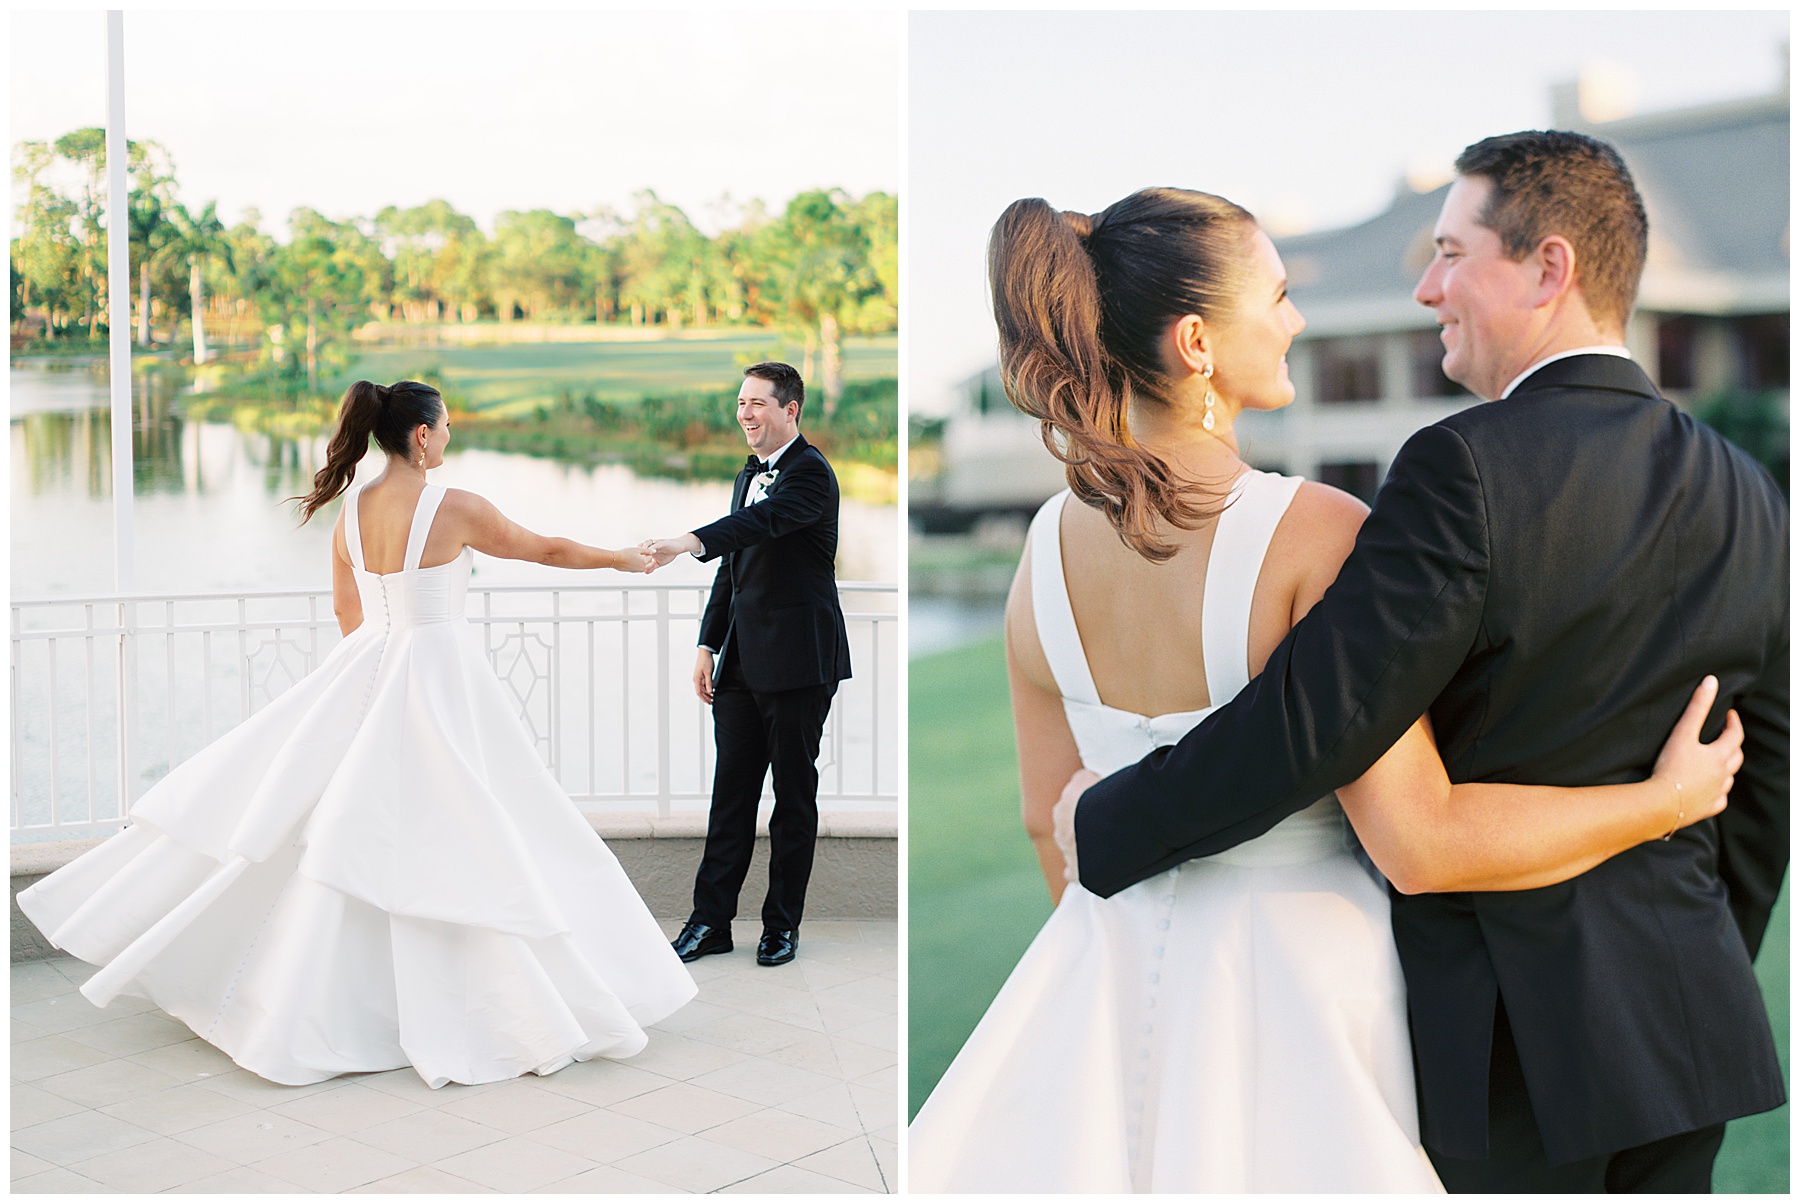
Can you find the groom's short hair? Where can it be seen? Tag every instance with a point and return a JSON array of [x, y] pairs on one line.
[[784, 378], [1548, 182]]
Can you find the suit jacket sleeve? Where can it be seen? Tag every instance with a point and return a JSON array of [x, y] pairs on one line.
[[1753, 828], [1347, 682], [798, 499], [715, 620]]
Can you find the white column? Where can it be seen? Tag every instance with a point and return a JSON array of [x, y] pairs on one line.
[[118, 304]]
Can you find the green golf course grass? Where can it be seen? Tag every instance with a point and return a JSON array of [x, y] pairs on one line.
[[977, 898], [521, 376]]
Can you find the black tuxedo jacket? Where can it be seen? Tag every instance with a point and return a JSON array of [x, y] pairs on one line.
[[774, 604], [1549, 576]]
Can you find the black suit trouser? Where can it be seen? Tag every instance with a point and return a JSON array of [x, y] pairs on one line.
[[1516, 1162], [753, 732]]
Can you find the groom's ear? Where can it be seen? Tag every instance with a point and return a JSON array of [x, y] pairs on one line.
[[1555, 262]]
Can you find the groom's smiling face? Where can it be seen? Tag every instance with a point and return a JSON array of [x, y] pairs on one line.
[[768, 425], [1485, 302]]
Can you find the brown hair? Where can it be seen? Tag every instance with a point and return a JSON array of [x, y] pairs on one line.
[[784, 378], [1082, 304], [388, 412], [1549, 182]]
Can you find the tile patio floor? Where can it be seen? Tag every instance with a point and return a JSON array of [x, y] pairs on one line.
[[773, 1080]]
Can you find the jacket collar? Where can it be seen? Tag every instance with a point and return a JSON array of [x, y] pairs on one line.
[[1611, 372]]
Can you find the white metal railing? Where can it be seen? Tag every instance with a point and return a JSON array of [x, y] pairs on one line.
[[600, 675]]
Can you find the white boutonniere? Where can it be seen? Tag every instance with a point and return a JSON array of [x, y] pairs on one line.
[[765, 480]]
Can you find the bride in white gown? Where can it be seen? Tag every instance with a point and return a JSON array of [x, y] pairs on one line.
[[376, 869], [1237, 1023]]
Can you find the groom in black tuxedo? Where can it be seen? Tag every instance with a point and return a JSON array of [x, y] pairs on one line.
[[773, 648], [1548, 575]]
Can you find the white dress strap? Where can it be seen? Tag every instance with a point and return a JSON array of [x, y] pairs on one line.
[[1258, 500], [423, 513], [1055, 618], [353, 529]]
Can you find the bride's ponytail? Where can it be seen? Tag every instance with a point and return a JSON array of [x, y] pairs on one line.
[[1077, 349], [389, 413]]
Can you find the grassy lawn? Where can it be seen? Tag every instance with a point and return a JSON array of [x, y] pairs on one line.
[[977, 898], [523, 376]]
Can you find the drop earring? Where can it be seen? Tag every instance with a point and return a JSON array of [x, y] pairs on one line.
[[1212, 399]]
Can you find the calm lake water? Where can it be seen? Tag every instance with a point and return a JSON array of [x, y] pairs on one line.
[[210, 513]]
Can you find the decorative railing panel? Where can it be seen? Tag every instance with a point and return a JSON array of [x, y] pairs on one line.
[[600, 675]]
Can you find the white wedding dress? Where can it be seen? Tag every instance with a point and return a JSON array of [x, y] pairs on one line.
[[373, 871], [1235, 1024]]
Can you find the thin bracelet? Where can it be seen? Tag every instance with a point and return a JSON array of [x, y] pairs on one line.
[[1680, 813]]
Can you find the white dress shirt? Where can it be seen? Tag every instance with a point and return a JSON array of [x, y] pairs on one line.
[[1605, 349]]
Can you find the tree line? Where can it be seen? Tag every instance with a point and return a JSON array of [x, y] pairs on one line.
[[826, 266]]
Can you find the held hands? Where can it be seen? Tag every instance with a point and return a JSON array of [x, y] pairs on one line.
[[662, 551], [703, 675], [635, 560], [1063, 817], [1699, 776]]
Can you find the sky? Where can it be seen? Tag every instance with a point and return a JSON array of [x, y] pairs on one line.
[[348, 112], [1310, 120]]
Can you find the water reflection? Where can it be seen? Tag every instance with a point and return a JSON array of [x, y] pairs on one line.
[[210, 510]]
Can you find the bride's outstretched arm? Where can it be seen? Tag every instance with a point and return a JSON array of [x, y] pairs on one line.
[[481, 526], [1047, 752], [1428, 835]]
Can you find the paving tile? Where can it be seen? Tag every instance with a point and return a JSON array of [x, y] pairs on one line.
[[604, 1136], [253, 1137], [151, 1166], [608, 1180], [58, 1181], [134, 1034], [836, 1016], [832, 1104], [793, 1181], [83, 1135], [192, 1059], [74, 971], [876, 994], [32, 981], [33, 1106], [61, 1013], [778, 1135], [685, 1107], [883, 1032], [346, 1109], [422, 1180], [253, 1089], [763, 1082], [516, 1107], [676, 1057], [749, 1034], [820, 975], [333, 1165], [517, 1164], [24, 1164], [602, 1082], [852, 1161], [878, 1108], [239, 1179], [25, 1031], [885, 1079], [42, 1057], [695, 1164], [110, 1082], [178, 1109], [857, 1059], [887, 1156], [428, 1136], [815, 1052], [689, 1015]]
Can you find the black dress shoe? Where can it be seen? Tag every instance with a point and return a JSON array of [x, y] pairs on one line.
[[697, 940], [777, 947]]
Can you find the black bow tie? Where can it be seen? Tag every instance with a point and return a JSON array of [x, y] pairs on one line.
[[753, 464]]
